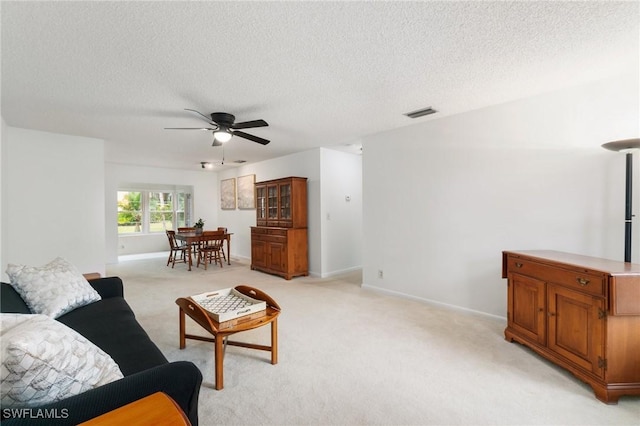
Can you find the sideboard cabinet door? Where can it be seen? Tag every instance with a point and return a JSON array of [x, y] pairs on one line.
[[527, 307], [575, 327]]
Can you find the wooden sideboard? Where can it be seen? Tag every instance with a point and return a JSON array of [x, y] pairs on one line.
[[581, 313], [279, 241]]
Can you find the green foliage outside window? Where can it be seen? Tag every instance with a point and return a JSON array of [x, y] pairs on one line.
[[129, 212]]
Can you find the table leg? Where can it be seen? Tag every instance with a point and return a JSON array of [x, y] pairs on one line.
[[183, 340], [218, 360], [274, 341], [189, 255], [228, 249]]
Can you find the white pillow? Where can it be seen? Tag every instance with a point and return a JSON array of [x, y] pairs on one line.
[[45, 361], [53, 289]]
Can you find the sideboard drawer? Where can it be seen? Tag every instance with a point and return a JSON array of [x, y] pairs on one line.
[[588, 283], [576, 279]]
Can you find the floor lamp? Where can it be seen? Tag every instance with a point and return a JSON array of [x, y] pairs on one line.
[[626, 146]]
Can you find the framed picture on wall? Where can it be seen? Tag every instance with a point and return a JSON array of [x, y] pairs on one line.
[[228, 194], [246, 192]]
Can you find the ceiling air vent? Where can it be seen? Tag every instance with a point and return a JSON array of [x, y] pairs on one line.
[[421, 112]]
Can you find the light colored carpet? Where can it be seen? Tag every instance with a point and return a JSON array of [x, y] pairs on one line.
[[352, 356]]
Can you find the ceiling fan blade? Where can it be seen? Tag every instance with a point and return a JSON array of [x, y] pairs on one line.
[[189, 128], [207, 119], [249, 124], [251, 137]]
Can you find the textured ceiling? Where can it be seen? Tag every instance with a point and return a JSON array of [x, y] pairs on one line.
[[321, 73]]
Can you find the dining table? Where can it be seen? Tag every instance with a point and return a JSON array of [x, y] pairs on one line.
[[193, 238]]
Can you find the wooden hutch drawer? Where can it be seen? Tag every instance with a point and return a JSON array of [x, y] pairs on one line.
[[269, 234], [272, 238], [278, 224], [576, 279]]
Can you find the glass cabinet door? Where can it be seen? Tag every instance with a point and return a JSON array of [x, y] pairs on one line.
[[272, 200], [285, 201], [261, 202]]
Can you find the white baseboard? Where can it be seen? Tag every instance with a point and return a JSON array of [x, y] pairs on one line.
[[432, 302], [125, 257], [339, 272]]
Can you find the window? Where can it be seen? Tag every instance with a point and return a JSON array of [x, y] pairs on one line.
[[129, 212], [160, 211], [152, 211], [182, 208]]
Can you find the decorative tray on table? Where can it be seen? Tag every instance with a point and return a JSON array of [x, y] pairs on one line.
[[228, 304]]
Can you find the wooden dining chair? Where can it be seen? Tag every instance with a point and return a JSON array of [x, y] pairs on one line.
[[210, 246], [224, 256], [177, 251]]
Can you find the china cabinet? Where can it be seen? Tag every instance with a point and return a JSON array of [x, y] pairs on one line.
[[279, 241]]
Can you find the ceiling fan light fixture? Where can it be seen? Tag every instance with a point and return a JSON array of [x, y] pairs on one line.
[[222, 135], [225, 127]]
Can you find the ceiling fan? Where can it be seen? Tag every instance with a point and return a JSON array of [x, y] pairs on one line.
[[224, 127]]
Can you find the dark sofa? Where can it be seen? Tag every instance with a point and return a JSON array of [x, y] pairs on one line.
[[111, 325]]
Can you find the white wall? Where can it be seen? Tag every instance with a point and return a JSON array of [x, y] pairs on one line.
[[443, 198], [205, 204], [341, 219], [3, 137], [52, 199]]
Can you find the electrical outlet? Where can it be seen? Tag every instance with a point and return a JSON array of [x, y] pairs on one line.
[[380, 274]]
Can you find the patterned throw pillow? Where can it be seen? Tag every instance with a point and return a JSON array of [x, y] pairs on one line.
[[45, 361], [53, 289]]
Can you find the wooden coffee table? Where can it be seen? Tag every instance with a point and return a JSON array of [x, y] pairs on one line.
[[220, 334]]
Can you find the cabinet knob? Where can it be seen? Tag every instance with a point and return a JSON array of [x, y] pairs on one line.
[[551, 314], [582, 281], [518, 265]]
